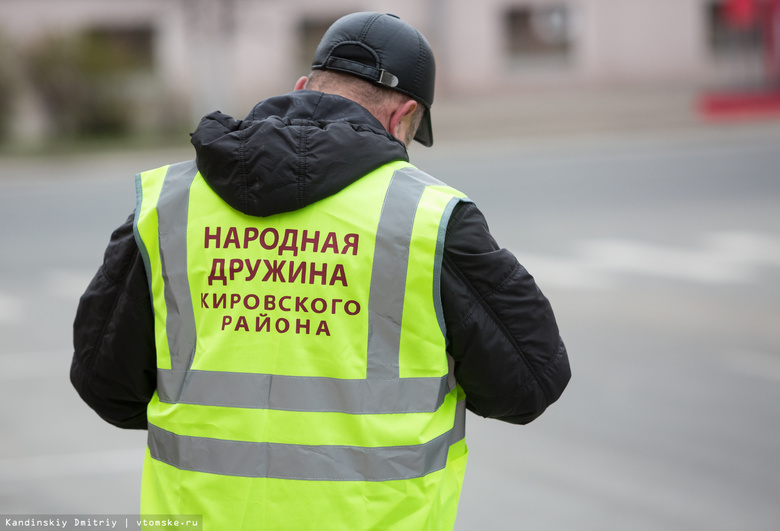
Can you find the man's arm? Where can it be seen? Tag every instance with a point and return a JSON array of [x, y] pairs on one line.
[[114, 366], [509, 357]]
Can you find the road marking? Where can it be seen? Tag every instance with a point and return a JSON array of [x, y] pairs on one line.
[[569, 273], [718, 258], [754, 363], [68, 284], [69, 465], [59, 283], [12, 310], [27, 365]]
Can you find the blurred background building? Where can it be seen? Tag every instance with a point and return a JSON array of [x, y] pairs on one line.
[[103, 66], [575, 125]]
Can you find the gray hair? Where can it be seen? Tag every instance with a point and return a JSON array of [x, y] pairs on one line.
[[373, 97]]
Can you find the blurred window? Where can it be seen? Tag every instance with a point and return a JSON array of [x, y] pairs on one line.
[[541, 34], [310, 32], [130, 48], [732, 32]]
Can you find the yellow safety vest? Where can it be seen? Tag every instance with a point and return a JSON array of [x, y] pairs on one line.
[[303, 380]]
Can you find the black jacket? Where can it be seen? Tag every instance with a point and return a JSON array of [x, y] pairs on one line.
[[289, 152]]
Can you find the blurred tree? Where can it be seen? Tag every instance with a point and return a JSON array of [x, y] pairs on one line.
[[80, 80], [7, 87]]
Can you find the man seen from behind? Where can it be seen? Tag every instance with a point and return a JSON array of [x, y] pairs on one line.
[[300, 318]]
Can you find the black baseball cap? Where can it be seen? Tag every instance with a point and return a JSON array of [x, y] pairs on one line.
[[387, 51]]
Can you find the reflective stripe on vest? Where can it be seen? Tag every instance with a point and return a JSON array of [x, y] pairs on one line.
[[305, 462], [383, 391]]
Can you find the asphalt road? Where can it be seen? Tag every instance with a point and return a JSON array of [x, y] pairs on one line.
[[660, 251]]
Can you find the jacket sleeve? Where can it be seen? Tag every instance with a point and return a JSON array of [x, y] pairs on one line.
[[114, 366], [502, 333]]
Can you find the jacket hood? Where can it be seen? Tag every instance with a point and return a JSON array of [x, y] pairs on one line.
[[291, 151]]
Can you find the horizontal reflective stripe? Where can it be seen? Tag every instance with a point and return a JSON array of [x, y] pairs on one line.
[[304, 462], [302, 393]]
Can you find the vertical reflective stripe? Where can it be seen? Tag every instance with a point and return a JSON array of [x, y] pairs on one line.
[[458, 432], [391, 261], [437, 265], [172, 212], [388, 277], [305, 462], [139, 199]]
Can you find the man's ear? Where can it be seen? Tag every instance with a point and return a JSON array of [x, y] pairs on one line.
[[401, 119], [301, 83]]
